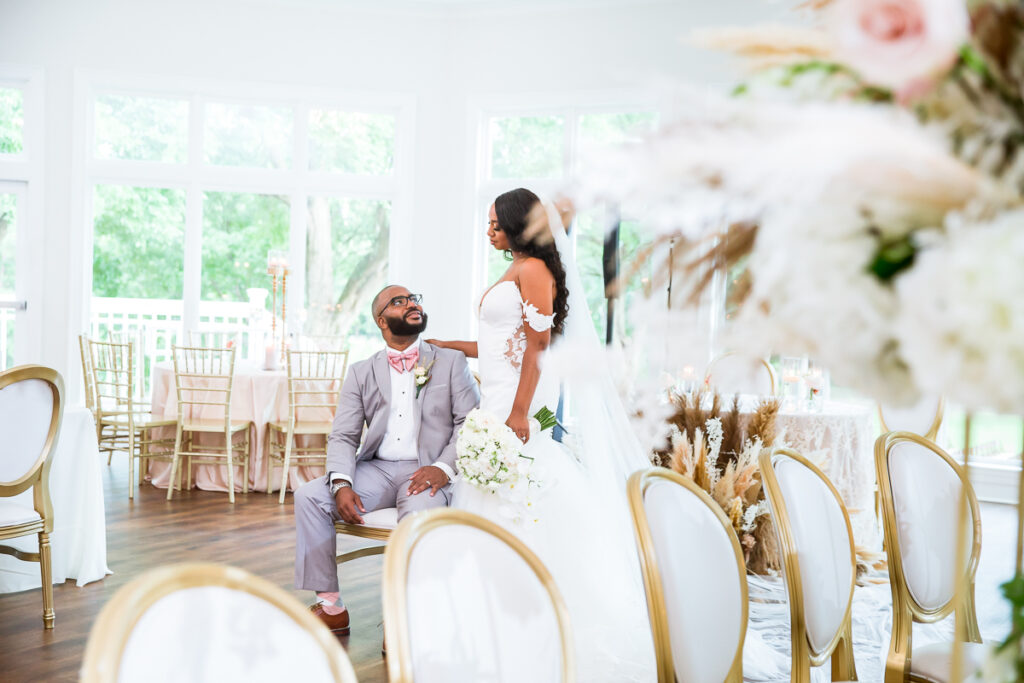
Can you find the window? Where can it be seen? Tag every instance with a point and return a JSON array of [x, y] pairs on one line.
[[238, 230], [141, 128], [351, 142], [12, 120], [527, 146], [191, 188], [8, 262], [536, 149], [138, 242], [347, 251], [248, 135]]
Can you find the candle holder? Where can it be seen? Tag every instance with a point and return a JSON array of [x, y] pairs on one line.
[[277, 267], [794, 386]]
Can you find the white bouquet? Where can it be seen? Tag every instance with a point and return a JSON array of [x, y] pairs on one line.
[[490, 456]]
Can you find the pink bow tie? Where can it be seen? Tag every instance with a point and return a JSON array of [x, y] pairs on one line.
[[405, 361]]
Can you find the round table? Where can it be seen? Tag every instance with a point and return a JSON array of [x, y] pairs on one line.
[[839, 438], [78, 544], [257, 395]]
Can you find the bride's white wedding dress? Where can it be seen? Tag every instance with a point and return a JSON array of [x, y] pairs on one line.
[[593, 561]]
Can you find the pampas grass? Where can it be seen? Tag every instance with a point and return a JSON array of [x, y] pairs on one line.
[[762, 425], [719, 455]]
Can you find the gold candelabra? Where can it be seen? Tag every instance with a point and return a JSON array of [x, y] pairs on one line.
[[277, 267]]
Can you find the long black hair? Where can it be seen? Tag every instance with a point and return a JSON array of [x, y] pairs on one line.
[[513, 211]]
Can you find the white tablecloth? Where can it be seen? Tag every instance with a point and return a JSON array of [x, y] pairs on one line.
[[79, 540]]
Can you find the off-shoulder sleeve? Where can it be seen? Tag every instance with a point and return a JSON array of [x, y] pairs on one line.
[[535, 319]]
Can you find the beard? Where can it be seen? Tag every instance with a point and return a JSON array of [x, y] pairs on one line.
[[400, 327]]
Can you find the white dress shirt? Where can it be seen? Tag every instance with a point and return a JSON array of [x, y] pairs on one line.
[[401, 442]]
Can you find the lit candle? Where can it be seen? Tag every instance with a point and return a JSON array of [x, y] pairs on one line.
[[270, 360]]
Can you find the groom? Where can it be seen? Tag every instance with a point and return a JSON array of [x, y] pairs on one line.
[[407, 456]]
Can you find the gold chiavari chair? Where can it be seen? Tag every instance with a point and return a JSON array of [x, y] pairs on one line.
[[511, 616], [682, 590], [131, 430], [190, 615], [314, 382], [920, 541], [819, 562], [31, 410], [203, 378], [725, 366]]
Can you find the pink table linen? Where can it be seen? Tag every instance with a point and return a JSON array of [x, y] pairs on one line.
[[260, 396]]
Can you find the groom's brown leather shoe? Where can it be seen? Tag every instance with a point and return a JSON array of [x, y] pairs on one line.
[[337, 623]]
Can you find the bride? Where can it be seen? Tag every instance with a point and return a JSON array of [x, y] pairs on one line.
[[580, 525]]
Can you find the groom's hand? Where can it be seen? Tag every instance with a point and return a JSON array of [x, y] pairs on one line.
[[428, 477], [349, 504]]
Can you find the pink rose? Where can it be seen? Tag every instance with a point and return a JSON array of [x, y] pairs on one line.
[[899, 44]]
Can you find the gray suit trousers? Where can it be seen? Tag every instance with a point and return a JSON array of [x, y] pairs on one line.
[[380, 484]]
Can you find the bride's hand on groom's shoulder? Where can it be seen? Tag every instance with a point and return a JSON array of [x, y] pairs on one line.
[[438, 343]]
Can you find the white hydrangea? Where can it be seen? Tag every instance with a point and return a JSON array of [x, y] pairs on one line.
[[490, 457], [961, 322]]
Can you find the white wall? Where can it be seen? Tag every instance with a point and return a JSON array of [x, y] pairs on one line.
[[446, 54]]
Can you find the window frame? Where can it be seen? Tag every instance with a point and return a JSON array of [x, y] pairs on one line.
[[196, 177], [26, 170], [570, 106]]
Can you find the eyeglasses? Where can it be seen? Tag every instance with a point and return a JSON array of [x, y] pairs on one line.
[[403, 301]]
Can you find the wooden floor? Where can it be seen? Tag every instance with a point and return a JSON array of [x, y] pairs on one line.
[[255, 534]]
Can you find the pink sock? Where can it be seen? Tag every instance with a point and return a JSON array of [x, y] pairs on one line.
[[331, 601]]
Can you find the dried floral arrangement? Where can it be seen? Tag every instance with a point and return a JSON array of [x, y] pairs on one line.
[[719, 452]]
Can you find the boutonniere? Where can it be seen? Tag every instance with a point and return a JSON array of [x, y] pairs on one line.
[[422, 376]]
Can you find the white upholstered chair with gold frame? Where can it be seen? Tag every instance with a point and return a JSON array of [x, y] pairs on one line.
[[181, 623], [672, 516], [924, 418], [31, 410], [130, 429], [819, 562], [732, 373], [465, 600], [314, 382], [203, 379], [921, 488]]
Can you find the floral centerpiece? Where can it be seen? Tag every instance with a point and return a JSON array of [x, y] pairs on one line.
[[863, 190]]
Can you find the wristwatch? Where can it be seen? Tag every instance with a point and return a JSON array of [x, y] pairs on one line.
[[339, 484]]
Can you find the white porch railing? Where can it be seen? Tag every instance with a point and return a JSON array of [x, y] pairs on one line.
[[154, 325]]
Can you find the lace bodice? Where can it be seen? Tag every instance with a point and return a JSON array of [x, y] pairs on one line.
[[501, 345]]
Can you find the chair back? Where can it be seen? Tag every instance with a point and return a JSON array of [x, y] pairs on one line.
[[31, 410], [314, 383], [113, 379], [87, 376], [673, 518], [921, 487], [733, 373], [818, 553], [465, 600], [203, 378], [923, 418], [190, 615]]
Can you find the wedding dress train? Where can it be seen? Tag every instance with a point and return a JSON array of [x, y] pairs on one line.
[[592, 559]]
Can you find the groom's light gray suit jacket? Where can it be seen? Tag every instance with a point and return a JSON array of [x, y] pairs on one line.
[[439, 410]]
